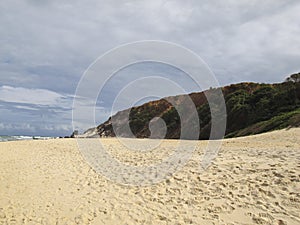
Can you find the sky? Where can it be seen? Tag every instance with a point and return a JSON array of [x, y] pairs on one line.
[[46, 46]]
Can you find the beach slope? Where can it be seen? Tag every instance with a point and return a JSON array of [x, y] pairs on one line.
[[254, 180]]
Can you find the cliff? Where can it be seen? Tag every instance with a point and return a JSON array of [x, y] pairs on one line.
[[252, 108]]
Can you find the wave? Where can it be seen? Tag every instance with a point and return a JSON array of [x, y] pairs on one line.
[[5, 138]]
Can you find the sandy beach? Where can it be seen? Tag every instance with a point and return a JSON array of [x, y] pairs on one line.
[[254, 180]]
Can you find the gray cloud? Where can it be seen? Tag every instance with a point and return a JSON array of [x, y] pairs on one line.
[[47, 45]]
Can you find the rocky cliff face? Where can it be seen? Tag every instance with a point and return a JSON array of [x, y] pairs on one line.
[[251, 108]]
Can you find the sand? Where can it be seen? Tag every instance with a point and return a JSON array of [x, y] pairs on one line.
[[254, 180]]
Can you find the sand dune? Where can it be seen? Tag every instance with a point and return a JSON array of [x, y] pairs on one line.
[[254, 180]]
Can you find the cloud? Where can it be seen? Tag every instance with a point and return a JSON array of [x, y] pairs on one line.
[[39, 97], [45, 112], [25, 107], [47, 45]]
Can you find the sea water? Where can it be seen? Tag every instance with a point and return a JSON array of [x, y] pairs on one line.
[[20, 137]]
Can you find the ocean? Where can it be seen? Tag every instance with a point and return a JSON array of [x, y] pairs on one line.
[[20, 137]]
